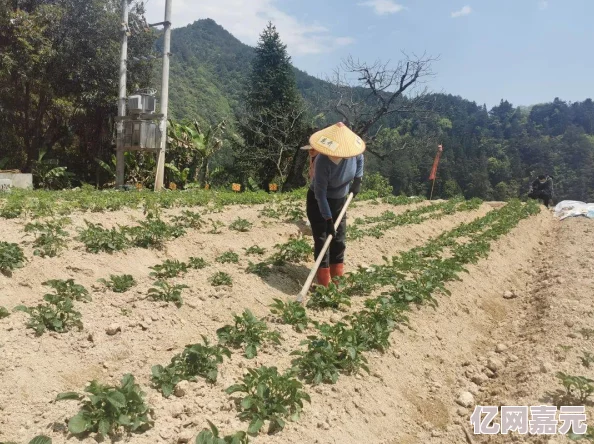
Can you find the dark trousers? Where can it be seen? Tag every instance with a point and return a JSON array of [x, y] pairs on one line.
[[545, 197], [335, 254]]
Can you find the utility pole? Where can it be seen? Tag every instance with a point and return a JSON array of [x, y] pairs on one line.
[[120, 159], [164, 96]]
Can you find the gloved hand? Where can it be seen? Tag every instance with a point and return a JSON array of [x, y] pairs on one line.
[[356, 188], [330, 230]]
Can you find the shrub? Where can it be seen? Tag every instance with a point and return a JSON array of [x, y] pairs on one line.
[[11, 257], [119, 284], [249, 331]]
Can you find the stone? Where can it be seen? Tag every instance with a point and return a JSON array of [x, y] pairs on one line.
[[480, 379], [501, 348], [465, 399], [113, 329], [512, 358], [436, 433], [545, 367], [494, 365], [181, 389], [509, 295], [185, 436]]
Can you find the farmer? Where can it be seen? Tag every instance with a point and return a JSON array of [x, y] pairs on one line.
[[542, 188], [339, 161]]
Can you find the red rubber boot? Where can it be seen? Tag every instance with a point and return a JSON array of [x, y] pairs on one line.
[[323, 276], [336, 270]]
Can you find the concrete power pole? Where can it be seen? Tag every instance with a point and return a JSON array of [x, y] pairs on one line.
[[164, 96], [120, 159]]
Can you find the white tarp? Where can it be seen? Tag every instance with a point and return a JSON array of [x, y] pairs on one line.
[[571, 208]]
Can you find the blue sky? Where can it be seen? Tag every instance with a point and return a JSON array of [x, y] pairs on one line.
[[525, 51]]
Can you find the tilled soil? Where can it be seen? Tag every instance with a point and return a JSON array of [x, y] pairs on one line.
[[410, 395]]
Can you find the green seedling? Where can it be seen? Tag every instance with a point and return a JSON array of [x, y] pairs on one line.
[[291, 313], [98, 239], [197, 263], [68, 290], [249, 331], [229, 257], [216, 226], [4, 313], [221, 278], [188, 219], [119, 284], [169, 269], [293, 251], [50, 237], [57, 315], [587, 358], [261, 269], [164, 291], [212, 437], [255, 250], [268, 395], [196, 360], [11, 258], [241, 225], [107, 409], [577, 388], [328, 297]]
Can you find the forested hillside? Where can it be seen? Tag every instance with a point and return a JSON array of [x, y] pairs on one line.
[[487, 153]]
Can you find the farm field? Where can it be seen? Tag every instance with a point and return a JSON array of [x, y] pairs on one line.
[[447, 298]]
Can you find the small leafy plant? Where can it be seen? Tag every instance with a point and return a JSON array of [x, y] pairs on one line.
[[261, 269], [153, 233], [293, 251], [291, 313], [228, 257], [220, 279], [249, 331], [170, 268], [107, 409], [98, 239], [336, 350], [269, 396], [119, 284], [4, 313], [197, 263], [216, 226], [50, 237], [68, 289], [328, 297], [189, 219], [11, 258], [40, 439], [577, 388], [164, 291], [57, 315], [196, 360], [587, 358], [255, 250], [212, 437], [241, 225]]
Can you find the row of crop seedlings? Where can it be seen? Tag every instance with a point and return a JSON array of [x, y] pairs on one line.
[[269, 397], [50, 237], [36, 204], [387, 220]]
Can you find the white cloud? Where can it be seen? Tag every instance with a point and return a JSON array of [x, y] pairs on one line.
[[466, 10], [246, 20], [543, 4], [382, 7]]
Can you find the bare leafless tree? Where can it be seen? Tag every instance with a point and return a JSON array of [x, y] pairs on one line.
[[363, 94]]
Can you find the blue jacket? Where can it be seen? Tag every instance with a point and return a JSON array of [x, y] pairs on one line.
[[332, 181]]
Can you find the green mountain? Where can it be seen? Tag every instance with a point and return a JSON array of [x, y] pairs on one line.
[[208, 71]]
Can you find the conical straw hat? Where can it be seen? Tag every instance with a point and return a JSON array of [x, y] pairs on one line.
[[337, 141]]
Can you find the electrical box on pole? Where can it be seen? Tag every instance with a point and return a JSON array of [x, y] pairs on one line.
[[139, 127]]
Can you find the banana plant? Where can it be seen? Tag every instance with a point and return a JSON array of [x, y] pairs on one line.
[[193, 148]]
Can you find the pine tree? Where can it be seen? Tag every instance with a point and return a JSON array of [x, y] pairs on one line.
[[273, 125]]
